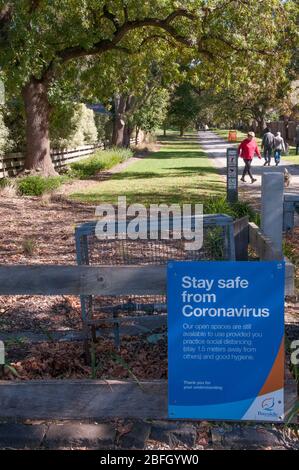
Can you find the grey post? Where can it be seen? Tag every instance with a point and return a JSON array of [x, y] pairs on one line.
[[232, 174], [272, 208]]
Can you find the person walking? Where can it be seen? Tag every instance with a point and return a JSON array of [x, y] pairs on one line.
[[267, 146], [279, 146], [247, 149]]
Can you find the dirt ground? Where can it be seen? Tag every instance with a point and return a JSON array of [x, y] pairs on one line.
[[37, 230], [136, 358], [41, 231], [48, 238]]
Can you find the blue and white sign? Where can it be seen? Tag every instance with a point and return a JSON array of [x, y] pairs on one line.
[[226, 340]]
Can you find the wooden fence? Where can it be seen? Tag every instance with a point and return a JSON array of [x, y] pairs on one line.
[[97, 399], [88, 399], [249, 234], [115, 280], [286, 128], [82, 280], [12, 163]]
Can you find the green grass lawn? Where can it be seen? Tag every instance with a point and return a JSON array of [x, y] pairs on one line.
[[242, 135], [178, 173]]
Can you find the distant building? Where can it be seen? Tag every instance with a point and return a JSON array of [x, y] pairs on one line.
[[98, 108]]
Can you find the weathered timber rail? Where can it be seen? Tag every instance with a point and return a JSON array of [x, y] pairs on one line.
[[82, 280], [94, 399], [12, 163]]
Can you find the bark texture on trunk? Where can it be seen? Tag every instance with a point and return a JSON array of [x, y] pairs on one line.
[[119, 123], [136, 135], [37, 110], [122, 127], [261, 125], [127, 135]]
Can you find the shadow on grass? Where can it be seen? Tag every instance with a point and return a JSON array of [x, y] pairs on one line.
[[175, 153], [197, 193], [174, 172], [158, 167], [181, 146]]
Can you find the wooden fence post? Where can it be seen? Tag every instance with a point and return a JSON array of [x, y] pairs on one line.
[[241, 235]]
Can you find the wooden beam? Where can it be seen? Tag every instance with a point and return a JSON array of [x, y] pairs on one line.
[[241, 235], [96, 399], [262, 245], [83, 399], [82, 280], [162, 319]]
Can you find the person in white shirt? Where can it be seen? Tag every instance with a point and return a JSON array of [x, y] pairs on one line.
[[279, 146]]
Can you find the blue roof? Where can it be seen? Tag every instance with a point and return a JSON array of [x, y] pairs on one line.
[[98, 108]]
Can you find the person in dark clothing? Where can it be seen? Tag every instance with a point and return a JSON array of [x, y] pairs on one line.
[[247, 149], [268, 144]]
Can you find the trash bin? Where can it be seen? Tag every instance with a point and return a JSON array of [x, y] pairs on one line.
[[232, 136]]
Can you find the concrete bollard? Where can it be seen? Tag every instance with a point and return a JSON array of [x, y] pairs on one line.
[[272, 208]]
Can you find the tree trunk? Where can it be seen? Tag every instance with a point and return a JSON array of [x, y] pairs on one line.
[[37, 110], [118, 122], [127, 135], [128, 131], [182, 130], [261, 125], [136, 135]]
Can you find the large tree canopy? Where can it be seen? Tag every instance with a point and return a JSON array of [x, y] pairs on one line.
[[40, 38]]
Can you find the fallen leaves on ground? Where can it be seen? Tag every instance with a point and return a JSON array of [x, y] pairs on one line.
[[59, 360]]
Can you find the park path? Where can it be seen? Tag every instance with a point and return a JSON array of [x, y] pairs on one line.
[[215, 147]]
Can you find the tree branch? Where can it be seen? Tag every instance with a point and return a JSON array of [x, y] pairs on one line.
[[5, 15], [181, 12], [126, 13], [235, 47], [5, 19], [110, 16], [34, 5], [121, 31]]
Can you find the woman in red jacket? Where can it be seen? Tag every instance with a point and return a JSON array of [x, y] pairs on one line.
[[247, 149]]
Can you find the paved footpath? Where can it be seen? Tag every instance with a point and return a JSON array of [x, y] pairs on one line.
[[157, 435], [215, 147]]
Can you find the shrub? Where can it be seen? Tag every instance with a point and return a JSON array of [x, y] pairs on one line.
[[88, 125], [4, 182], [38, 185], [29, 246], [214, 243], [103, 125], [13, 114], [101, 160], [241, 209], [8, 187], [72, 125], [4, 133], [219, 205]]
